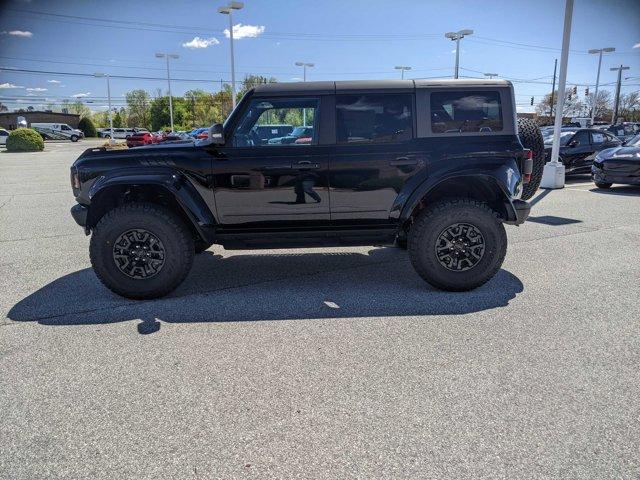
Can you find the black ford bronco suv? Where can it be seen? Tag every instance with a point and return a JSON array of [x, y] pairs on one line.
[[437, 167]]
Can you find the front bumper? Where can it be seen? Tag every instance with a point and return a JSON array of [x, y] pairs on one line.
[[79, 214]]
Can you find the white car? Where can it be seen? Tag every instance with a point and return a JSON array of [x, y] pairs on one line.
[[3, 136]]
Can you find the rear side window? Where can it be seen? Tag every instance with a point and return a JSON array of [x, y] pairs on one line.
[[374, 118], [466, 112]]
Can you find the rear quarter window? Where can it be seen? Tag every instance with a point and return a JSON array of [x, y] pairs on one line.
[[466, 111]]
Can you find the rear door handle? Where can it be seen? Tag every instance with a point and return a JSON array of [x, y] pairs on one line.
[[284, 166], [400, 161], [307, 165]]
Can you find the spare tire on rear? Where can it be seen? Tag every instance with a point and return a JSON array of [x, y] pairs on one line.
[[531, 138]]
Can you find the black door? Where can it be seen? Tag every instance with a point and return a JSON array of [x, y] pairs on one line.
[[263, 180], [372, 158], [577, 150]]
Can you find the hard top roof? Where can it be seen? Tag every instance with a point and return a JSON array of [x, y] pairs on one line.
[[328, 87]]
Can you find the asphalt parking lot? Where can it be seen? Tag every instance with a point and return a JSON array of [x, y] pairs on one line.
[[320, 363]]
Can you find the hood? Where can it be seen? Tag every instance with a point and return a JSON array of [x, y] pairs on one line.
[[629, 153]]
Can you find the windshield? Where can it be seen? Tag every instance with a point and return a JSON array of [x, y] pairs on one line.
[[634, 142], [564, 137]]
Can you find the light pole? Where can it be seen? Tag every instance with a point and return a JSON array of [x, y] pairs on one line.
[[304, 69], [457, 36], [402, 70], [614, 117], [490, 75], [304, 79], [228, 10], [553, 172], [168, 56], [594, 103], [106, 75]]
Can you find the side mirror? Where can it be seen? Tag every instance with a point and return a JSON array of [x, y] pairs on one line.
[[216, 134], [574, 143]]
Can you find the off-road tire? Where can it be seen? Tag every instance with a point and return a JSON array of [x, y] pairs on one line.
[[433, 221], [603, 185], [161, 222], [531, 138]]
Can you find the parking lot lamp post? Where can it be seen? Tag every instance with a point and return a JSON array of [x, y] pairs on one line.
[[168, 56], [553, 173], [457, 36], [599, 51], [105, 75], [304, 79], [402, 70], [228, 10], [490, 75], [616, 105]]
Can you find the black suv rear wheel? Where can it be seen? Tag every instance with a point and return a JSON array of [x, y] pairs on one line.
[[141, 250], [457, 245]]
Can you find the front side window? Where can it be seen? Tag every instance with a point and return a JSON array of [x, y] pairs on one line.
[[278, 121], [65, 127], [373, 118], [580, 139], [466, 112], [598, 137]]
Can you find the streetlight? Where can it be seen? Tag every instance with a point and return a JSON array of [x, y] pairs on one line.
[[490, 75], [402, 70], [228, 11], [168, 56], [457, 36], [594, 103], [614, 117], [106, 75], [304, 69], [304, 79]]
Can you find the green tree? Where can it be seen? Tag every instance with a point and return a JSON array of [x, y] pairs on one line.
[[87, 126], [117, 120], [159, 112], [80, 108], [138, 108], [572, 105]]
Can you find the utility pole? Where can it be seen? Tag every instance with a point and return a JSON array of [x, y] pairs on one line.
[[614, 117], [111, 139], [594, 103], [168, 56], [553, 88], [553, 173], [457, 36], [228, 10]]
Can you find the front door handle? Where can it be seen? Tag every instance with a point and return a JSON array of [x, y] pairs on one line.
[[401, 161], [307, 165]]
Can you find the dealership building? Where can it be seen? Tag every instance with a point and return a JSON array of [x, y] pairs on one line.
[[9, 120]]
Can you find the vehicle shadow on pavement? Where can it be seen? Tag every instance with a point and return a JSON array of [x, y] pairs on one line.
[[261, 287], [624, 190]]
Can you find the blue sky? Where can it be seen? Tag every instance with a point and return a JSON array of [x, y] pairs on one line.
[[345, 39]]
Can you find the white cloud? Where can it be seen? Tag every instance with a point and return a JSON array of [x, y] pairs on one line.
[[81, 95], [198, 42], [637, 45], [36, 89], [57, 82], [10, 85], [245, 31], [18, 33]]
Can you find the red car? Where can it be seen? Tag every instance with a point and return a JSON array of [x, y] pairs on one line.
[[139, 139]]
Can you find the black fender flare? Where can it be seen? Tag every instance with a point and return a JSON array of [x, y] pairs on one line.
[[173, 182], [504, 178]]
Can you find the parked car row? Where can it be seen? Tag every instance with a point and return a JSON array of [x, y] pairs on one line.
[[120, 133]]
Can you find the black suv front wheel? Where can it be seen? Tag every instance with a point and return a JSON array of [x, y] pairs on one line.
[[457, 245], [141, 250]]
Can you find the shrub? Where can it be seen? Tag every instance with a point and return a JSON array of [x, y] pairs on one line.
[[25, 140], [87, 127]]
